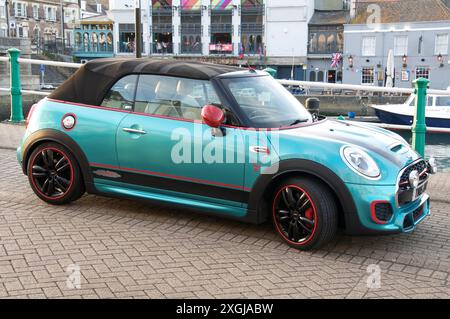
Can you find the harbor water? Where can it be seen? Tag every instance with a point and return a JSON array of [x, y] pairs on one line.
[[437, 145]]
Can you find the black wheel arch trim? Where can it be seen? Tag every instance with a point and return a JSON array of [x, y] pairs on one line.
[[300, 166], [52, 135]]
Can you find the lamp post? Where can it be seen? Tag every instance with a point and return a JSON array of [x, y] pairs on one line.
[[138, 29], [7, 17], [62, 24]]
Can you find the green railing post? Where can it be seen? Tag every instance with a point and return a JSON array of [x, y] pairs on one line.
[[16, 87], [419, 127]]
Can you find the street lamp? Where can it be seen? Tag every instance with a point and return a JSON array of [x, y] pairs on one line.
[[350, 61], [440, 59], [7, 17], [405, 60]]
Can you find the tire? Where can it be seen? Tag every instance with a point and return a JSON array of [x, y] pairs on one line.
[[304, 213], [54, 174]]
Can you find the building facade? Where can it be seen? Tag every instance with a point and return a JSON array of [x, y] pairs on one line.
[[416, 31], [238, 32], [326, 41], [39, 20]]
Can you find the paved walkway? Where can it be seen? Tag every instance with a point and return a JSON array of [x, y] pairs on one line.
[[128, 249]]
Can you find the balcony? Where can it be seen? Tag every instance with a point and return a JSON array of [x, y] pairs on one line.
[[162, 48], [93, 43], [324, 50], [256, 9], [191, 28], [191, 48], [161, 28], [252, 28], [162, 11], [221, 28], [251, 48]]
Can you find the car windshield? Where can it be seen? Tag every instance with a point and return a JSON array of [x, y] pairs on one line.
[[266, 103]]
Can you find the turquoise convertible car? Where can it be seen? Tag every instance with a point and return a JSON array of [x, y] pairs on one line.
[[222, 140]]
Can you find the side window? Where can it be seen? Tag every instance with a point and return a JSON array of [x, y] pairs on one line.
[[174, 97], [121, 95]]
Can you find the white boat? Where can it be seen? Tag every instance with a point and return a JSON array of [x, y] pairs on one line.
[[437, 111]]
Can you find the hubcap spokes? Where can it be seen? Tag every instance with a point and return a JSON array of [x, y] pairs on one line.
[[52, 173], [295, 214]]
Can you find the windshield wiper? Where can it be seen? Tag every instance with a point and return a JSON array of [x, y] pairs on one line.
[[298, 122]]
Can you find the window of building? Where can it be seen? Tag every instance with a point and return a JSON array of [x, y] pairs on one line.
[[2, 11], [20, 9], [423, 72], [401, 45], [252, 27], [121, 95], [441, 44], [35, 11], [320, 76], [369, 46], [312, 76], [127, 38], [221, 31], [162, 27], [368, 75], [191, 31], [50, 13], [321, 43]]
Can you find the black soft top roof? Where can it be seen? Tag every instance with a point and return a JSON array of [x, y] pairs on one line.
[[92, 80]]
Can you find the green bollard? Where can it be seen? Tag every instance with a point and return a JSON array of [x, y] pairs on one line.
[[16, 87], [271, 71], [419, 127]]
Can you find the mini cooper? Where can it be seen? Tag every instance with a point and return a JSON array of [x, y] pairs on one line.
[[222, 140]]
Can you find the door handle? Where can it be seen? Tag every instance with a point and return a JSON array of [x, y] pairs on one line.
[[134, 131]]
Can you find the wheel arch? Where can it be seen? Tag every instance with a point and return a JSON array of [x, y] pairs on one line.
[[50, 135], [262, 191]]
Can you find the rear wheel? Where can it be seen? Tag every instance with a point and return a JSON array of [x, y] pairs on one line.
[[304, 213], [54, 174]]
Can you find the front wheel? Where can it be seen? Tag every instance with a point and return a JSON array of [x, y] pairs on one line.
[[54, 174], [304, 213]]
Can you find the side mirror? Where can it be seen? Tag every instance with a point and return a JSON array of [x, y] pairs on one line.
[[212, 115]]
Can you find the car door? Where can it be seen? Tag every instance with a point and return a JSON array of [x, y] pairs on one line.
[[97, 127], [163, 144]]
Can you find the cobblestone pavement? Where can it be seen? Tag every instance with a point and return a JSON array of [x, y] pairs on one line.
[[130, 249]]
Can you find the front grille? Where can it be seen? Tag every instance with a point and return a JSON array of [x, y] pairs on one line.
[[420, 166], [407, 194], [383, 212]]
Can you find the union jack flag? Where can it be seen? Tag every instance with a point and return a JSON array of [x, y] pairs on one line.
[[336, 59]]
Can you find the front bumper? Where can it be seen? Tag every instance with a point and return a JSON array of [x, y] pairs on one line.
[[404, 218]]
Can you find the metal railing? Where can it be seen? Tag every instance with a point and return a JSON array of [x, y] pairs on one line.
[[418, 128]]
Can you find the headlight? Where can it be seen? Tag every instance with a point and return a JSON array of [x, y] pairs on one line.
[[360, 162]]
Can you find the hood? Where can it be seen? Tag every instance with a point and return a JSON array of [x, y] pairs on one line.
[[373, 139]]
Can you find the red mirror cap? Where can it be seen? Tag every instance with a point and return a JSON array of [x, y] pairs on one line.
[[212, 115]]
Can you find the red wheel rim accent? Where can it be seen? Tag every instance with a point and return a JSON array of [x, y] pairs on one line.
[[302, 216], [51, 173]]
